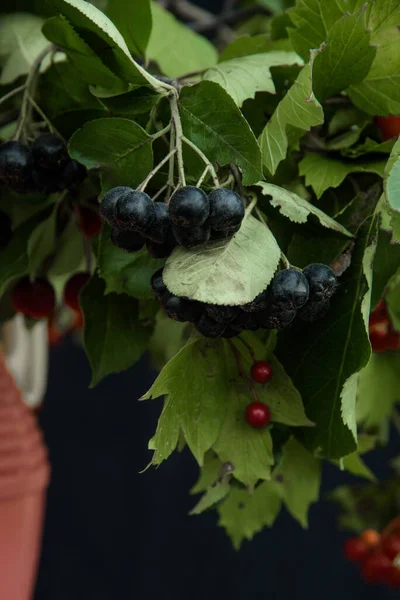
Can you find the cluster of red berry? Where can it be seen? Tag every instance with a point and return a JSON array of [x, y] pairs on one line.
[[378, 555], [382, 334], [258, 414]]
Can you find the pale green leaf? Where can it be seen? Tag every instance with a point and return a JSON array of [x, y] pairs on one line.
[[225, 272], [392, 178], [212, 496], [119, 146], [42, 241], [298, 109], [298, 476], [243, 77], [378, 389], [133, 20], [209, 473], [247, 45], [355, 465], [176, 48], [297, 209]]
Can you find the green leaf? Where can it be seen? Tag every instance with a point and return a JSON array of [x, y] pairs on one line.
[[297, 209], [124, 272], [133, 20], [392, 178], [393, 301], [369, 147], [113, 337], [346, 59], [243, 77], [225, 272], [212, 496], [134, 103], [247, 45], [322, 173], [209, 473], [168, 338], [242, 514], [298, 476], [379, 92], [212, 121], [355, 465], [324, 358], [70, 252], [176, 48], [296, 113], [42, 241], [21, 41], [385, 266], [119, 146], [378, 389]]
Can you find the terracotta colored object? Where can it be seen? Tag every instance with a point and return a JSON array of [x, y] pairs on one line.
[[24, 476]]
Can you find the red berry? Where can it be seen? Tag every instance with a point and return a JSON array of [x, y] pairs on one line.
[[376, 568], [35, 299], [389, 126], [258, 414], [355, 549], [393, 578], [78, 320], [90, 221], [379, 314], [379, 339], [391, 546], [261, 371], [393, 340], [370, 537], [73, 288]]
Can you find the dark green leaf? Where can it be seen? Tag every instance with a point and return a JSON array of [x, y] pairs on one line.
[[133, 20], [42, 241]]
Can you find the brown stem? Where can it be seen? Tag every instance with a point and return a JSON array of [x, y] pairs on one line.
[[249, 348], [241, 371]]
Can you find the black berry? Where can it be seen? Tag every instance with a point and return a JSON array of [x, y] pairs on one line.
[[134, 211], [314, 310], [73, 174], [47, 181], [129, 241], [5, 230], [224, 234], [160, 227], [50, 152], [322, 280], [108, 204], [157, 284], [189, 207], [245, 321], [180, 309], [276, 316], [226, 209], [210, 328], [259, 303], [16, 163], [189, 238], [222, 314], [290, 288]]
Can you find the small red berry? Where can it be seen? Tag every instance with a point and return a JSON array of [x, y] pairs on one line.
[[376, 568], [379, 314], [391, 546], [35, 299], [90, 221], [258, 414], [378, 337], [355, 549], [370, 537], [73, 289], [393, 578], [389, 126], [261, 371], [393, 340]]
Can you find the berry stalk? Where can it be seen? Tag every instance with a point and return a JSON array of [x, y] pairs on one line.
[[243, 375]]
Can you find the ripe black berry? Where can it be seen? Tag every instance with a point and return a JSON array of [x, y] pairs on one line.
[[129, 241], [180, 309], [134, 211], [222, 314], [226, 209], [157, 284], [50, 152], [161, 250], [5, 230], [73, 174], [322, 280], [275, 316], [290, 288], [224, 234], [259, 303], [189, 207], [160, 227], [16, 163], [210, 328], [47, 182], [109, 203], [245, 322], [313, 311], [189, 238]]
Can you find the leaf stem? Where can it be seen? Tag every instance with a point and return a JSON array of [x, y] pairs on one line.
[[179, 137], [161, 132], [158, 194], [171, 170], [12, 93], [42, 114], [250, 207], [203, 176], [243, 375], [204, 159], [249, 348], [144, 183]]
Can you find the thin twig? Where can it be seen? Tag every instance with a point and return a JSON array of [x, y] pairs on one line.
[[249, 348], [203, 176], [164, 187], [161, 132], [12, 93], [204, 159], [243, 375], [42, 114], [171, 170], [144, 183], [179, 137]]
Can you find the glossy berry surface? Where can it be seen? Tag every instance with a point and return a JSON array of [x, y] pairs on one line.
[[209, 328], [16, 163], [290, 288], [226, 209], [378, 337], [190, 238], [109, 203], [160, 228], [376, 568], [73, 289], [33, 299], [389, 126], [322, 281], [261, 371], [258, 414], [157, 284], [89, 221], [391, 546], [73, 174], [355, 549], [5, 230], [134, 211], [314, 310], [189, 207], [50, 152], [129, 241], [222, 314]]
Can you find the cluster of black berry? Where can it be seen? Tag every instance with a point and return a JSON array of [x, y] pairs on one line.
[[190, 219], [44, 167], [304, 293]]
